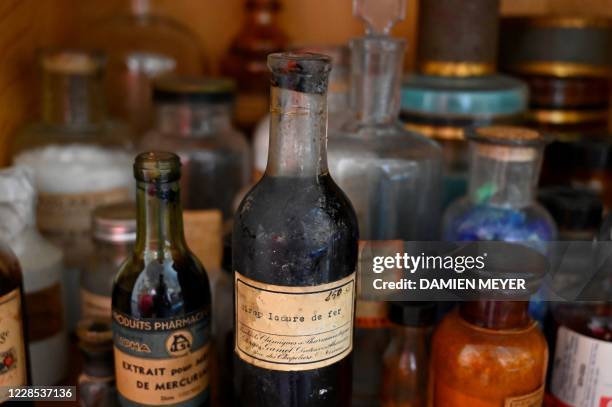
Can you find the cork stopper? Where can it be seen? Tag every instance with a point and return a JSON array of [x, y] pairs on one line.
[[507, 143]]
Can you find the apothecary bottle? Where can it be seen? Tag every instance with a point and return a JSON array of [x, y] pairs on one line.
[[245, 60], [294, 253], [42, 267], [501, 203], [113, 234], [193, 120], [489, 352], [142, 44], [97, 386], [79, 157], [161, 301], [406, 359]]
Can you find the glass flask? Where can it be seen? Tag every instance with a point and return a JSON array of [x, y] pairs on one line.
[[142, 45], [444, 108], [97, 386], [500, 204], [489, 352], [193, 119], [406, 359], [391, 176], [245, 60], [294, 253], [42, 268], [113, 234], [80, 158], [161, 306], [338, 111]]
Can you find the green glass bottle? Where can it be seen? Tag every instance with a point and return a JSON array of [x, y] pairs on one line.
[[161, 299]]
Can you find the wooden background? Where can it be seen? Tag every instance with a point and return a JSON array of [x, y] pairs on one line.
[[26, 25]]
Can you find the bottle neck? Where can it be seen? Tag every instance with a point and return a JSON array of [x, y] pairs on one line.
[[496, 315], [376, 66], [160, 220], [503, 176], [73, 100], [192, 120], [298, 134]]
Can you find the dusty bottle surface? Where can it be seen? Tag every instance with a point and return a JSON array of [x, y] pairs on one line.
[[161, 302], [294, 256]]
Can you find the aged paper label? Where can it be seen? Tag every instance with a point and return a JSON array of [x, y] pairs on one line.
[[12, 349], [534, 399], [95, 305], [294, 328], [162, 361]]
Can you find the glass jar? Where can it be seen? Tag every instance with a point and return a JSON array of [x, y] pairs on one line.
[[489, 352], [80, 158], [245, 60], [500, 204], [42, 269], [406, 359], [193, 119], [142, 45], [114, 235], [97, 379], [443, 108]]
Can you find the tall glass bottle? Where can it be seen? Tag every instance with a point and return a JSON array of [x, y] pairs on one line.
[[78, 156], [42, 267], [13, 354], [392, 176], [294, 256], [245, 60], [142, 45], [161, 305]]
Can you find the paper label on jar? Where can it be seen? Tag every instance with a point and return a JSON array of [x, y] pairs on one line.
[[12, 348], [294, 328], [95, 305], [582, 370], [162, 361], [534, 399], [45, 313]]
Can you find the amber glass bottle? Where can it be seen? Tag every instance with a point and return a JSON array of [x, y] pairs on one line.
[[491, 353], [245, 60]]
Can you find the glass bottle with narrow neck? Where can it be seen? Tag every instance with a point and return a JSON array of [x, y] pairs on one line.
[[294, 254], [500, 204], [161, 296]]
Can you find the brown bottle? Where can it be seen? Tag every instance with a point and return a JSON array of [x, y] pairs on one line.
[[246, 60], [13, 350]]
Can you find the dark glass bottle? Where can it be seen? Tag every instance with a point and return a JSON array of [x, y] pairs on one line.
[[294, 256], [13, 350], [161, 299]]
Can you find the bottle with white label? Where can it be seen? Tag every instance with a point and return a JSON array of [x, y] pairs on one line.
[[161, 301], [14, 365], [79, 158], [294, 253], [113, 234], [42, 267]]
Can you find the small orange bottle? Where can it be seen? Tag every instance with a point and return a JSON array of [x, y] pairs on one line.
[[489, 352]]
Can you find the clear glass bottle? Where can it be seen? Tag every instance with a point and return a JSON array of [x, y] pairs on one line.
[[142, 45], [97, 386], [193, 119], [338, 111], [79, 157], [505, 163], [161, 307], [114, 235], [406, 359], [392, 176], [294, 253], [490, 352], [245, 60], [42, 268]]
